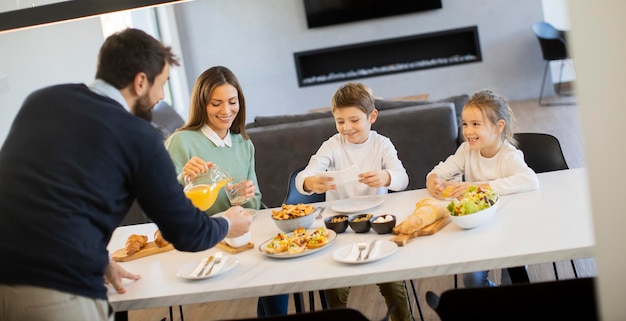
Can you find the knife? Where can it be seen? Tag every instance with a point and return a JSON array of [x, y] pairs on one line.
[[208, 261], [367, 255]]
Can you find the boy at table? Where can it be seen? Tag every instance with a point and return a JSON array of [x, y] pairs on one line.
[[353, 108]]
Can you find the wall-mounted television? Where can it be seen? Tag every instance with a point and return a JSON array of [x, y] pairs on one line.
[[321, 13]]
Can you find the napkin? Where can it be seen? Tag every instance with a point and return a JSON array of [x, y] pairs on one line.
[[198, 268], [353, 254], [348, 175]]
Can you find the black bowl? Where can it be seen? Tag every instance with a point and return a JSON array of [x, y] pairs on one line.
[[383, 227], [360, 223], [337, 223]]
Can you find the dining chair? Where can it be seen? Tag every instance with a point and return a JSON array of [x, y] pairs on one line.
[[553, 47], [543, 153], [553, 300]]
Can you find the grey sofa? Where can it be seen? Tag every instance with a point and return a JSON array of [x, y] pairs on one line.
[[423, 132]]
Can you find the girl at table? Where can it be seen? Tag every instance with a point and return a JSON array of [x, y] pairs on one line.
[[355, 143], [215, 132], [487, 157]]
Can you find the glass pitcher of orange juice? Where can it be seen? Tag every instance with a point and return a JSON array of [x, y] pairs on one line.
[[204, 188]]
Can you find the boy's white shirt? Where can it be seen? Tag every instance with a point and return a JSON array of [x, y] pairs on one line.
[[336, 154]]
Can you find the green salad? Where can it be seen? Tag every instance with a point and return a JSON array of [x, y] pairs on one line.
[[475, 199]]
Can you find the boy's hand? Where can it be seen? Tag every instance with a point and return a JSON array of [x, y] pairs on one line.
[[375, 179], [319, 184]]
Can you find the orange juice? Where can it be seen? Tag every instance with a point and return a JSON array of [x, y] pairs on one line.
[[447, 191], [204, 195]]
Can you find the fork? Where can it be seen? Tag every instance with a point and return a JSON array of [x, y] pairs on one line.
[[361, 247], [216, 261], [319, 214]]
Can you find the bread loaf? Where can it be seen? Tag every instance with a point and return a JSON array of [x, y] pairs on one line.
[[426, 212]]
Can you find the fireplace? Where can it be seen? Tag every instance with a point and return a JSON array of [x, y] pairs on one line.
[[388, 56]]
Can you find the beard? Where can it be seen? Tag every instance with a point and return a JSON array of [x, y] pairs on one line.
[[143, 107]]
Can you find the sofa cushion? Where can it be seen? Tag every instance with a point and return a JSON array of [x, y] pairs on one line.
[[423, 136], [381, 104], [260, 121]]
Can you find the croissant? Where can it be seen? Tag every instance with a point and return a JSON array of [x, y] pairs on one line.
[[159, 240], [135, 242]]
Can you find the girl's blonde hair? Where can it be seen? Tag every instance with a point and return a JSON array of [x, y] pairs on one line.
[[494, 107], [353, 95]]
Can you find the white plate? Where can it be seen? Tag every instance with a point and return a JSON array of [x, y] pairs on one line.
[[250, 211], [185, 271], [357, 204], [386, 248], [285, 255]]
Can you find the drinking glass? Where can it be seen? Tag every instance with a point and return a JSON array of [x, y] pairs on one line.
[[236, 191], [204, 188]]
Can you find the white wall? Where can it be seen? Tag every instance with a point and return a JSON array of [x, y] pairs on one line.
[[257, 40], [38, 57]]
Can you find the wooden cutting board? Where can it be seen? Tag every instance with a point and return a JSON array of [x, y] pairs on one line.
[[403, 239], [234, 250], [150, 249]]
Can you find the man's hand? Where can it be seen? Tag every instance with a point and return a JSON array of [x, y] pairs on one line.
[[114, 273], [240, 221]]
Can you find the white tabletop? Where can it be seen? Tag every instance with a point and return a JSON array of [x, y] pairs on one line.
[[553, 223]]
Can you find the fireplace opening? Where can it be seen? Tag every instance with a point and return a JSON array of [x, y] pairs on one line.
[[388, 56]]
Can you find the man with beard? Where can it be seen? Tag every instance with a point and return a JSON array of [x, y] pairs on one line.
[[75, 159]]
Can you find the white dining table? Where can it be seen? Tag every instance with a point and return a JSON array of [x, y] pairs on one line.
[[553, 223]]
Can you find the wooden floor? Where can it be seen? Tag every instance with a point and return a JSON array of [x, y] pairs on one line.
[[561, 121]]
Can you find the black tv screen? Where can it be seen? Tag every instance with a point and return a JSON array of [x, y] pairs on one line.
[[321, 13]]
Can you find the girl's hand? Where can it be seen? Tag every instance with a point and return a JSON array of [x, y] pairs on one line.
[[434, 186], [375, 179], [319, 184], [195, 166]]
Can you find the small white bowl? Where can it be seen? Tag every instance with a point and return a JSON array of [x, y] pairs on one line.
[[475, 219], [238, 241]]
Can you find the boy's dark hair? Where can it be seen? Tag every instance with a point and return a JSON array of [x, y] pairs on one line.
[[129, 52], [353, 95]]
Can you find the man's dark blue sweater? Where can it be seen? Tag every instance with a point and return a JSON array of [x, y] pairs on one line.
[[70, 168]]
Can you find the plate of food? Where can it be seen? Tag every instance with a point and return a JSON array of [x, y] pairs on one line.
[[197, 269], [299, 243], [380, 249], [357, 204]]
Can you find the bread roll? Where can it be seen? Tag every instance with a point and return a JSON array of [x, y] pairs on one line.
[[159, 240]]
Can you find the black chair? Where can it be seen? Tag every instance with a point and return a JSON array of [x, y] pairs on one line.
[[346, 314], [553, 47], [543, 153], [572, 299]]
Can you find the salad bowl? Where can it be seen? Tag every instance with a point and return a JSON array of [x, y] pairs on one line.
[[477, 206]]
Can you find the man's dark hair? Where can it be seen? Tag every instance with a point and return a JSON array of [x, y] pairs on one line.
[[131, 51]]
